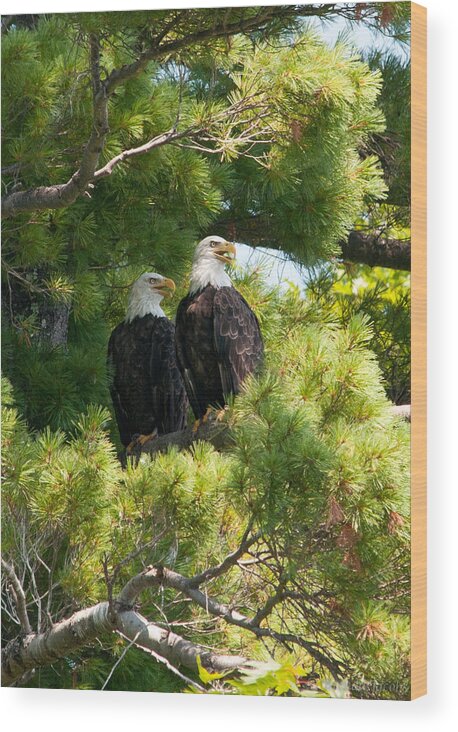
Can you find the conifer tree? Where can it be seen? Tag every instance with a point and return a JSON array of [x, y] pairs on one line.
[[129, 136]]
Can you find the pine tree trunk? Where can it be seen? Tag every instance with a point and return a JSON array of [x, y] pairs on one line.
[[53, 320]]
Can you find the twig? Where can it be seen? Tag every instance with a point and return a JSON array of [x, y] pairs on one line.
[[228, 562], [19, 597], [131, 643], [161, 659]]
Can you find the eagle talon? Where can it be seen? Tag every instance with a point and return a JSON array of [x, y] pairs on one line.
[[221, 413], [140, 441], [202, 420], [206, 415]]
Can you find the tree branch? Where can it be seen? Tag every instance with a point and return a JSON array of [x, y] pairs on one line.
[[402, 410], [360, 247], [83, 628], [174, 648], [221, 30], [217, 433], [35, 650], [168, 578], [62, 195], [213, 431], [376, 251], [228, 561], [152, 144]]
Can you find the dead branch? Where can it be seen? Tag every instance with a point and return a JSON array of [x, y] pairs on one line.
[[18, 597], [85, 626], [156, 576]]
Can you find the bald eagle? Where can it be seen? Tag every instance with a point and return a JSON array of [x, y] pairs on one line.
[[217, 335], [148, 393]]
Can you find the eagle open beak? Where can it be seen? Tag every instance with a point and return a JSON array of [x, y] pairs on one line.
[[166, 287], [226, 252]]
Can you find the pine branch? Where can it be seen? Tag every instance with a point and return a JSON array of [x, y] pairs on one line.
[[84, 627], [168, 578], [221, 30], [376, 251], [64, 194], [215, 432], [228, 561], [152, 144], [360, 247]]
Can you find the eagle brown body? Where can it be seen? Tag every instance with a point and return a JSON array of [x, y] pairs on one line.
[[218, 342], [146, 385]]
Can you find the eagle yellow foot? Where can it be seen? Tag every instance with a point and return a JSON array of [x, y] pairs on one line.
[[220, 414], [202, 420], [139, 441]]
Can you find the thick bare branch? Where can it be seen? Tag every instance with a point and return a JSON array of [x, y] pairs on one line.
[[85, 626], [402, 410], [376, 251], [217, 433], [174, 648], [35, 650], [155, 576], [360, 247]]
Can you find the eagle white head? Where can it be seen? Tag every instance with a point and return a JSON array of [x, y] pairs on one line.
[[146, 295], [210, 258]]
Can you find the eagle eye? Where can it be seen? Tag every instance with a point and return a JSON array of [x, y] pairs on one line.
[[213, 243], [152, 280]]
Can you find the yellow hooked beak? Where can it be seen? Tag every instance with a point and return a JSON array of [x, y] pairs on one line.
[[226, 252], [166, 287]]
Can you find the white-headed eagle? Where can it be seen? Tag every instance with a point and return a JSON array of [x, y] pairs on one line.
[[217, 335], [148, 393]]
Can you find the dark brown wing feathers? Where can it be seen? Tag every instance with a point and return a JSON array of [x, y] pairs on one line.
[[219, 343], [146, 386], [238, 339]]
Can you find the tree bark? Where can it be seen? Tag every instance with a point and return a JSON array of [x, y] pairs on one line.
[[360, 247], [33, 650], [53, 319], [376, 251]]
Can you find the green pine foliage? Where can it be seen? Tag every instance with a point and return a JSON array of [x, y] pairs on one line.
[[393, 146], [308, 186], [383, 296], [319, 464]]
